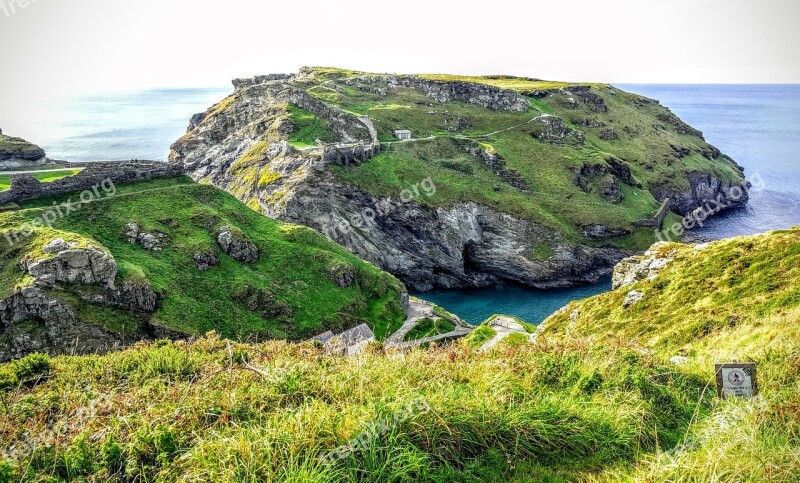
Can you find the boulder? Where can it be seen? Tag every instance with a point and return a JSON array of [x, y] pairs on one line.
[[553, 129], [73, 265], [205, 260], [153, 241], [232, 242], [343, 275], [633, 297]]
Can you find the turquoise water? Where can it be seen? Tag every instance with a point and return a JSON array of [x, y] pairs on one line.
[[476, 305], [759, 126]]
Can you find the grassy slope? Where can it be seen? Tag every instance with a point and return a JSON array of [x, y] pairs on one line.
[[428, 327], [737, 299], [5, 180], [294, 266], [595, 399], [644, 142]]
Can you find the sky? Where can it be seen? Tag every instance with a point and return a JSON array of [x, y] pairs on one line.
[[60, 47]]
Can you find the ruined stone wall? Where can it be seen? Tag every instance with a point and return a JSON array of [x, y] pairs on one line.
[[25, 187]]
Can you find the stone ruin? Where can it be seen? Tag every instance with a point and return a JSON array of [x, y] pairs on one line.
[[25, 187]]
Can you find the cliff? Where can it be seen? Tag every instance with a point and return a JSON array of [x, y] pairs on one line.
[[543, 183], [18, 153]]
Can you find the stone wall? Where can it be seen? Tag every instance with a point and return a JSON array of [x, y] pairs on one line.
[[656, 221], [484, 95], [260, 79], [346, 155], [25, 187]]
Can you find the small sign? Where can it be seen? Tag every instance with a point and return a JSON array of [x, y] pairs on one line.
[[736, 379]]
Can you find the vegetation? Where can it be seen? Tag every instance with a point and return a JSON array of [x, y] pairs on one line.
[[479, 336], [428, 327], [241, 301], [504, 82], [308, 128], [5, 180], [594, 399], [617, 127]]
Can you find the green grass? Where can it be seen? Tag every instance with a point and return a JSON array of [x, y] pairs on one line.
[[5, 180], [552, 199], [482, 334], [504, 82], [594, 398], [308, 128], [428, 327], [183, 412], [195, 302]]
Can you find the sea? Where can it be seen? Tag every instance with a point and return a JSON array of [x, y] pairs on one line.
[[757, 125]]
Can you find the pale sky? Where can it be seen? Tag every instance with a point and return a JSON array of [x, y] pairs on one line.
[[54, 47]]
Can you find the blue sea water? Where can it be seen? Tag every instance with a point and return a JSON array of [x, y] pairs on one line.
[[758, 126], [139, 124]]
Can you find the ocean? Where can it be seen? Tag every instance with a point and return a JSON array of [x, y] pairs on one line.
[[757, 125], [139, 124]]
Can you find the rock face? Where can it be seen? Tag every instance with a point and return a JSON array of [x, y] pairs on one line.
[[205, 260], [706, 192], [73, 265], [553, 129], [55, 329], [465, 245], [232, 242], [633, 297], [35, 318], [443, 91], [642, 267], [18, 153]]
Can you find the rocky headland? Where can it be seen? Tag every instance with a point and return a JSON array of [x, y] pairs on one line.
[[542, 183]]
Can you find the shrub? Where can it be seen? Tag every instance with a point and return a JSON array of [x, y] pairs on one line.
[[31, 367]]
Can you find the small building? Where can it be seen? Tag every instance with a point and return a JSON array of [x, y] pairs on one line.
[[402, 134], [350, 342]]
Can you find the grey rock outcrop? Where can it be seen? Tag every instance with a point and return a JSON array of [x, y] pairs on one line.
[[35, 322], [205, 260], [641, 267], [231, 241], [343, 275], [135, 296], [17, 153], [69, 264], [633, 298], [706, 192], [153, 241], [441, 91], [553, 129]]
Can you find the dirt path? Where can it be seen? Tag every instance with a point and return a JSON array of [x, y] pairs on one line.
[[415, 311], [503, 327]]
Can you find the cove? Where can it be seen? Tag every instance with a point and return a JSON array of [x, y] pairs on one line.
[[531, 305]]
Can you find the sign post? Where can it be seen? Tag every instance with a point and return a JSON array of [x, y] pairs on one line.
[[736, 379]]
